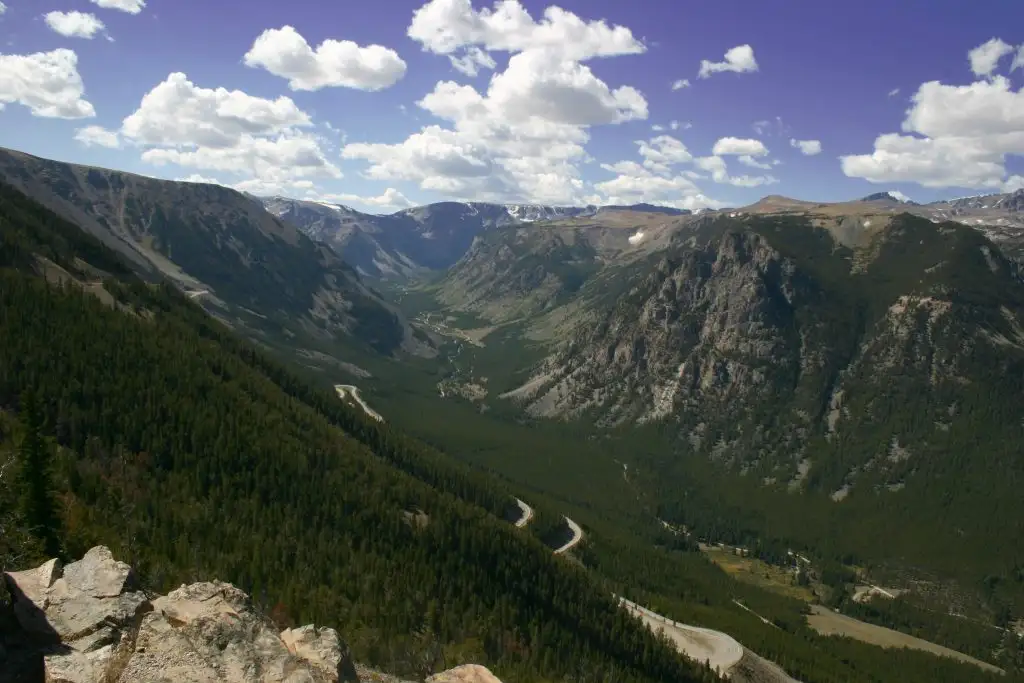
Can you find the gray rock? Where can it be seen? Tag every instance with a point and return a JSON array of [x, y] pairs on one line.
[[210, 632], [324, 650], [94, 627], [467, 673], [83, 613]]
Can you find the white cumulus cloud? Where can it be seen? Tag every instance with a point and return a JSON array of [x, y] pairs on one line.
[[201, 179], [748, 160], [1018, 59], [178, 112], [98, 136], [953, 136], [681, 83], [738, 146], [389, 200], [334, 63], [718, 168], [658, 179], [472, 61], [561, 92], [3, 8], [74, 24], [806, 147], [230, 131], [985, 58], [522, 137], [662, 152], [129, 6], [635, 184], [739, 59], [447, 27], [48, 83]]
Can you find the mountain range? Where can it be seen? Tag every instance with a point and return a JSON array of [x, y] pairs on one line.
[[415, 242], [842, 379]]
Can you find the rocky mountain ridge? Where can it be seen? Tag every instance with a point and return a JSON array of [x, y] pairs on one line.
[[91, 622], [416, 242], [423, 239], [410, 242], [234, 258]]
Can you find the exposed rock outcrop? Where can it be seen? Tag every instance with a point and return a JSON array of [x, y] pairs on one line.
[[468, 673], [90, 622]]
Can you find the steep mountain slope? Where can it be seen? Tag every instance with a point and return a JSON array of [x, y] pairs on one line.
[[999, 216], [521, 271], [366, 242], [763, 332], [252, 269], [188, 452]]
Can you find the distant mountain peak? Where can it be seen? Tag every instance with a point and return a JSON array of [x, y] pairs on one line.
[[889, 196]]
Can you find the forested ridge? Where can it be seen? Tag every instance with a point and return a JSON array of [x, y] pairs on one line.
[[193, 456]]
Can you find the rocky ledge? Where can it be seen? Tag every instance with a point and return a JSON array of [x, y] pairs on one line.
[[90, 622]]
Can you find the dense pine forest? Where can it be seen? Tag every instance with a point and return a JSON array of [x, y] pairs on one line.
[[132, 419]]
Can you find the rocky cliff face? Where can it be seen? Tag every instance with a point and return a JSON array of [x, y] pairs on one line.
[[90, 622], [760, 337]]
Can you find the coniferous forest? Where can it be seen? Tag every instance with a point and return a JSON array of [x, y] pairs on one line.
[[141, 423]]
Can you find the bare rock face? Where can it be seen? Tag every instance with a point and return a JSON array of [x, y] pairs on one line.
[[83, 613], [322, 648], [95, 626], [468, 673]]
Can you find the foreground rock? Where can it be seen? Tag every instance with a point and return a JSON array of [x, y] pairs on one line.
[[90, 622], [468, 673], [94, 625]]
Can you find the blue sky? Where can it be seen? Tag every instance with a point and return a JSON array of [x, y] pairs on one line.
[[412, 101]]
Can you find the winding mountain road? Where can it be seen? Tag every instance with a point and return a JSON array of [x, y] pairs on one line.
[[721, 651], [527, 514], [577, 536], [345, 390]]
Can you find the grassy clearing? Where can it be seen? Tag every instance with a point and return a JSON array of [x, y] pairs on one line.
[[758, 573]]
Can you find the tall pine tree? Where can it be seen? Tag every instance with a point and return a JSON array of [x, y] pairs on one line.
[[40, 505]]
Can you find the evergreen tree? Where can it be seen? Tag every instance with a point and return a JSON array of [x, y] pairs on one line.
[[39, 503]]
